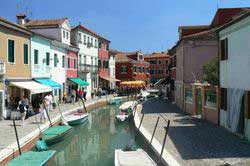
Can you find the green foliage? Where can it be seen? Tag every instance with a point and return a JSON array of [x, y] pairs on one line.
[[210, 71]]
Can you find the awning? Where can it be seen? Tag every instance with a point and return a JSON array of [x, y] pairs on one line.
[[111, 79], [32, 86], [159, 82], [79, 81], [49, 82]]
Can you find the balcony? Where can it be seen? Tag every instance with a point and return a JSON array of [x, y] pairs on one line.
[[2, 68], [86, 68]]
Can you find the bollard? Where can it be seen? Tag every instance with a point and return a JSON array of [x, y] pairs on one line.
[[154, 129], [165, 137], [17, 139]]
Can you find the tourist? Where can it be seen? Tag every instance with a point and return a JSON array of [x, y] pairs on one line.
[[73, 96], [48, 102], [92, 93], [22, 108], [42, 112], [84, 94], [64, 97], [80, 94]]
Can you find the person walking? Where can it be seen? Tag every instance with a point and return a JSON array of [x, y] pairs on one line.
[[22, 108], [92, 93], [42, 112], [73, 96], [84, 94]]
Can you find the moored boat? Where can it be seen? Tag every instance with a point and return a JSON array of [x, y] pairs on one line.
[[132, 158], [121, 118], [128, 106], [32, 158], [76, 118], [55, 134], [115, 100]]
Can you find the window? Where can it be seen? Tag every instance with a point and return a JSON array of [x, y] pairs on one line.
[[95, 43], [124, 69], [224, 49], [223, 99], [75, 64], [143, 69], [147, 70], [160, 71], [35, 56], [134, 68], [99, 45], [84, 39], [159, 62], [189, 95], [67, 35], [68, 62], [84, 60], [63, 61], [91, 41], [11, 51], [99, 64], [211, 98], [25, 54], [47, 58], [55, 60], [96, 62], [88, 39], [92, 62], [55, 92], [79, 37], [63, 34]]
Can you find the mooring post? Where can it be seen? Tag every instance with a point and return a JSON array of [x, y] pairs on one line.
[[17, 139], [165, 137], [47, 115], [84, 105], [141, 121], [154, 129]]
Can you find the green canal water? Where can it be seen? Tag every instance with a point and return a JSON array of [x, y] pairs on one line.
[[94, 143]]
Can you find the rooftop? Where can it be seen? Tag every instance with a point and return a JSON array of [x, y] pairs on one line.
[[45, 23]]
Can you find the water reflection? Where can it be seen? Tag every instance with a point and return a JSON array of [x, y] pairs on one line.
[[94, 142]]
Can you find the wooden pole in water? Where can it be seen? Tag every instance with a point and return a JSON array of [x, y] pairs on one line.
[[84, 105], [165, 137], [47, 115], [17, 139]]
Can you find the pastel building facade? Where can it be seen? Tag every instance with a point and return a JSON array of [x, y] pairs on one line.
[[87, 41], [234, 75]]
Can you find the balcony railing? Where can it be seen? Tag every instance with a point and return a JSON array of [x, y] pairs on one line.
[[2, 68], [86, 68]]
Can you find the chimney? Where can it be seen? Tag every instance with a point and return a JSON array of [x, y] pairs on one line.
[[21, 18]]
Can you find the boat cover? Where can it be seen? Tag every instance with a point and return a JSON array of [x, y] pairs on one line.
[[55, 131], [133, 158], [32, 158]]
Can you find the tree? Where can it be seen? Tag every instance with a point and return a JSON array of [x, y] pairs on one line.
[[210, 71]]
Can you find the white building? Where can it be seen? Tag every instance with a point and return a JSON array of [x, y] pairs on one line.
[[87, 41], [112, 68], [234, 75]]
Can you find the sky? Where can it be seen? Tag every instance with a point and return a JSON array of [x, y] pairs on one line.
[[130, 25]]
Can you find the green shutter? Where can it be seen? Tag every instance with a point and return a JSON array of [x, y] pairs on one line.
[[55, 60], [35, 56], [69, 63], [47, 59], [11, 47], [25, 54], [63, 61]]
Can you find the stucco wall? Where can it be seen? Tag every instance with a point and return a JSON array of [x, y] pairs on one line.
[[197, 53], [237, 66], [17, 69], [43, 47], [55, 33]]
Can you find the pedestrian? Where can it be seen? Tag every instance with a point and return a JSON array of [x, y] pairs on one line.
[[64, 97], [84, 94], [92, 93], [22, 108], [42, 112], [73, 96], [48, 102], [81, 94]]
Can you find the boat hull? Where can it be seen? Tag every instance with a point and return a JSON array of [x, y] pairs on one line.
[[54, 137], [78, 121]]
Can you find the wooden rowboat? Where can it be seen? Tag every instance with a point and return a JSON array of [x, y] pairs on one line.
[[32, 158], [55, 134], [76, 118]]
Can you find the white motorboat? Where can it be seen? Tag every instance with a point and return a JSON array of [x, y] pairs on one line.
[[133, 158]]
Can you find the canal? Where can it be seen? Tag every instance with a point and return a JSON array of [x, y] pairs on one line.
[[94, 142]]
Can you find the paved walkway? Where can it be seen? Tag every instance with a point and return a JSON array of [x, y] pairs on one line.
[[7, 134], [192, 141]]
